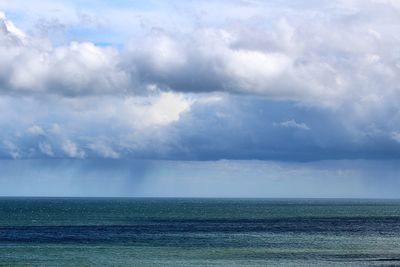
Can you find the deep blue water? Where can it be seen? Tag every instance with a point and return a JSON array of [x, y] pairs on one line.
[[201, 232]]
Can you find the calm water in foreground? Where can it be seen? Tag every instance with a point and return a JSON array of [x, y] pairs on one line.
[[199, 232]]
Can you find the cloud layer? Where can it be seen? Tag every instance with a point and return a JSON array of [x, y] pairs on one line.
[[179, 126], [329, 53], [35, 66], [279, 80]]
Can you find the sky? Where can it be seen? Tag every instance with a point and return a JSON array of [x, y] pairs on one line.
[[240, 98]]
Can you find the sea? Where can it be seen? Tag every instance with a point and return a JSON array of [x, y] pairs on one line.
[[198, 232]]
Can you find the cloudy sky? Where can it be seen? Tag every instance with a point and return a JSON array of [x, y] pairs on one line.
[[200, 98]]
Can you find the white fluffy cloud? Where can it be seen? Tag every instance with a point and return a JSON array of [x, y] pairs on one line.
[[331, 53], [159, 110], [72, 150], [396, 136], [36, 130], [46, 149], [104, 150], [34, 65], [293, 124], [11, 149]]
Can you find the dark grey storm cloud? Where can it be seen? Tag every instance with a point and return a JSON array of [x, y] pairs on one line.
[[203, 128]]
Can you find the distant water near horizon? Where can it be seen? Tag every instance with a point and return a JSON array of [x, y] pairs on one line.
[[198, 232]]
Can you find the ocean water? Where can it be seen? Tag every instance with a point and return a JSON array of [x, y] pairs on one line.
[[198, 232]]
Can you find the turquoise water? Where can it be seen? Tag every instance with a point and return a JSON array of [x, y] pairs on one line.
[[199, 232]]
